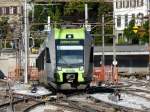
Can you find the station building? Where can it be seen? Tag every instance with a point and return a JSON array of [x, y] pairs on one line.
[[10, 8], [130, 59]]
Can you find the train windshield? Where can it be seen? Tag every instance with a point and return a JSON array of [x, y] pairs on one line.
[[70, 55]]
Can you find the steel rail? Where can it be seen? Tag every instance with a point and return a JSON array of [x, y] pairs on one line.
[[8, 103], [33, 106]]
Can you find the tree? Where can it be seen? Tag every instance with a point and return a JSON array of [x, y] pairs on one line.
[[144, 37], [73, 11], [74, 6], [141, 36], [4, 26], [42, 12], [104, 9], [129, 33]]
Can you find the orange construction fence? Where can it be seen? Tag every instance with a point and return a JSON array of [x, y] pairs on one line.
[[33, 73], [106, 73], [16, 74]]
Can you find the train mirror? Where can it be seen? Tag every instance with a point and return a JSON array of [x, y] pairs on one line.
[[88, 27], [31, 42]]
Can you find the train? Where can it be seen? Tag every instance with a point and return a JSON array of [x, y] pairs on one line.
[[66, 57]]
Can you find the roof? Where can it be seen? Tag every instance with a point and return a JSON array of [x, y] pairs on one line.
[[76, 0], [130, 48], [77, 33], [123, 50]]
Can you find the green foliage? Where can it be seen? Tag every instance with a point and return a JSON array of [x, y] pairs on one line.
[[121, 41], [4, 26], [145, 37], [74, 6], [106, 9], [42, 12], [128, 32], [140, 36], [73, 11], [38, 42]]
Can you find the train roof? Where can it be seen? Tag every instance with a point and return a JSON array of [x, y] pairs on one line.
[[72, 33]]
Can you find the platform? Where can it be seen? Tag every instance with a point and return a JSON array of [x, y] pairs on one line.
[[128, 101], [25, 90]]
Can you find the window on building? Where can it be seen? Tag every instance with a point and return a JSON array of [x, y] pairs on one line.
[[133, 17], [139, 19], [116, 4], [21, 10], [1, 11], [14, 10], [119, 21], [127, 3], [7, 10], [124, 4], [132, 3], [120, 3], [142, 2], [126, 20], [137, 3]]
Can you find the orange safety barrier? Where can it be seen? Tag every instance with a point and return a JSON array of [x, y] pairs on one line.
[[16, 73], [99, 73], [34, 74], [106, 73]]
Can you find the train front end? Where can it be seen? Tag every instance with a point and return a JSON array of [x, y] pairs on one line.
[[70, 59]]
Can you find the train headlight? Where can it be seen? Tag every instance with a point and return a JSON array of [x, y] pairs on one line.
[[81, 68], [59, 68]]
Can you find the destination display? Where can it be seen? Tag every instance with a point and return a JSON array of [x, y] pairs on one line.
[[69, 42]]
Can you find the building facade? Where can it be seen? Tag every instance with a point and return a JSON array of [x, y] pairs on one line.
[[11, 9], [125, 10]]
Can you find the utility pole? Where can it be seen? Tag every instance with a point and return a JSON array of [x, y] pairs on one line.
[[148, 13], [149, 40], [26, 42], [32, 12], [86, 14], [0, 41], [103, 40], [114, 44], [1, 46]]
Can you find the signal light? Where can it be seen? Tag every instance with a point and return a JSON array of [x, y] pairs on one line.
[[69, 36]]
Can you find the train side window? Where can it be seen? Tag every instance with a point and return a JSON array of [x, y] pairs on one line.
[[91, 55], [47, 53]]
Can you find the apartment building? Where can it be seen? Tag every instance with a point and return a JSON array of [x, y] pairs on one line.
[[125, 10], [10, 8]]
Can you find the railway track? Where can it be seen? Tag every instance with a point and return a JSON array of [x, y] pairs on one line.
[[71, 106], [20, 105], [65, 102]]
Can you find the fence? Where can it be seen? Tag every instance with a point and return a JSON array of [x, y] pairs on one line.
[[106, 73]]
